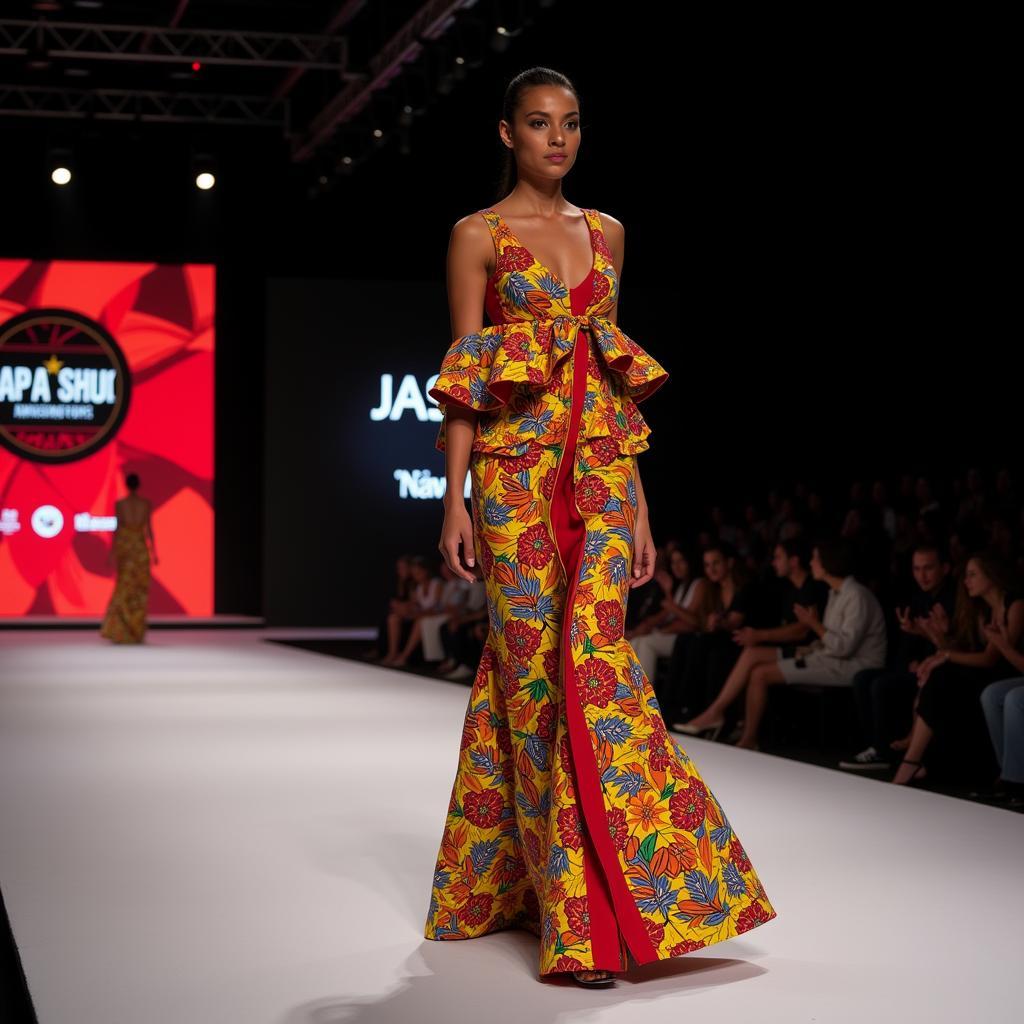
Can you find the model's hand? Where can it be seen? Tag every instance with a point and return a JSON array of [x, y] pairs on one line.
[[457, 531], [643, 553]]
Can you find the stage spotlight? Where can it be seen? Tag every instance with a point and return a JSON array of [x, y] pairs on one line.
[[204, 169], [60, 165]]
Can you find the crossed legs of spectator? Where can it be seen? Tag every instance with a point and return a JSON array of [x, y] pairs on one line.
[[753, 659]]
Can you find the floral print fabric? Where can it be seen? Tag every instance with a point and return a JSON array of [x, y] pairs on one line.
[[125, 618], [515, 374], [573, 812]]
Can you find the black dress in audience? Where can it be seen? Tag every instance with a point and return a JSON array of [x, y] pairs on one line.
[[950, 703], [701, 662], [884, 697]]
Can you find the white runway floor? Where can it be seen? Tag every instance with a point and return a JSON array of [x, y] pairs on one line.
[[212, 829]]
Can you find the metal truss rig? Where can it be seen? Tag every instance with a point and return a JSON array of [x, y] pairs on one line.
[[151, 44], [140, 105]]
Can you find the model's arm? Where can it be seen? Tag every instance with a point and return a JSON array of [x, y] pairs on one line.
[[468, 250], [643, 545], [149, 531], [615, 236]]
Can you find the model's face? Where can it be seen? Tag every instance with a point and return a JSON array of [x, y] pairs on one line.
[[927, 570], [546, 125]]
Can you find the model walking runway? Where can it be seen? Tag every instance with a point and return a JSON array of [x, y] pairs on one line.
[[573, 813]]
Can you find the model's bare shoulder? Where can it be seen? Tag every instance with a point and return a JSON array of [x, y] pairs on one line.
[[471, 226], [615, 238], [613, 228], [470, 245]]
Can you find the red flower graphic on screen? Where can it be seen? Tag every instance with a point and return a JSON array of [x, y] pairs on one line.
[[162, 319]]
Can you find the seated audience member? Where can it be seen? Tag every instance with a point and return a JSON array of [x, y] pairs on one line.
[[1003, 705], [702, 659], [655, 634], [459, 634], [852, 636], [452, 598], [953, 678], [797, 586], [424, 600], [886, 695], [401, 590]]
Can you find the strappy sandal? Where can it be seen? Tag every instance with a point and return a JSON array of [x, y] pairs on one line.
[[914, 776], [609, 975], [608, 978]]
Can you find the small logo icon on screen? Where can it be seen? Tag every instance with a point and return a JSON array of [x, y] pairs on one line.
[[47, 520]]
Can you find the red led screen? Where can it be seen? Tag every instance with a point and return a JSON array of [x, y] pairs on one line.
[[105, 368]]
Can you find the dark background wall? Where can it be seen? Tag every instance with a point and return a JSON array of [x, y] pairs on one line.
[[803, 253]]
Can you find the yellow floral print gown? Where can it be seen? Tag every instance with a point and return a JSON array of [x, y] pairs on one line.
[[125, 619], [574, 814]]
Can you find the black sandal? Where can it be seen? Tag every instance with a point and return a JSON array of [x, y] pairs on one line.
[[913, 777], [610, 977]]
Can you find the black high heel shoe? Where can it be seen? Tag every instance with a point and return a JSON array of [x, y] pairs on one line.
[[914, 776]]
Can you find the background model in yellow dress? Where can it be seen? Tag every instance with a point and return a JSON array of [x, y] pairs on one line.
[[125, 619], [573, 814]]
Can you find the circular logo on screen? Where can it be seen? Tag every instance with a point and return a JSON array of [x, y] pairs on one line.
[[47, 520], [64, 385]]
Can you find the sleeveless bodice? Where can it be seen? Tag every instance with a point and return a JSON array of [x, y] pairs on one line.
[[514, 372]]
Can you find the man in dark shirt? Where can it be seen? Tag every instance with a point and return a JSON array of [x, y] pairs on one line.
[[887, 694], [796, 586]]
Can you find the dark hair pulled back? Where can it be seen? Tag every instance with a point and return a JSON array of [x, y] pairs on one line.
[[510, 104]]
